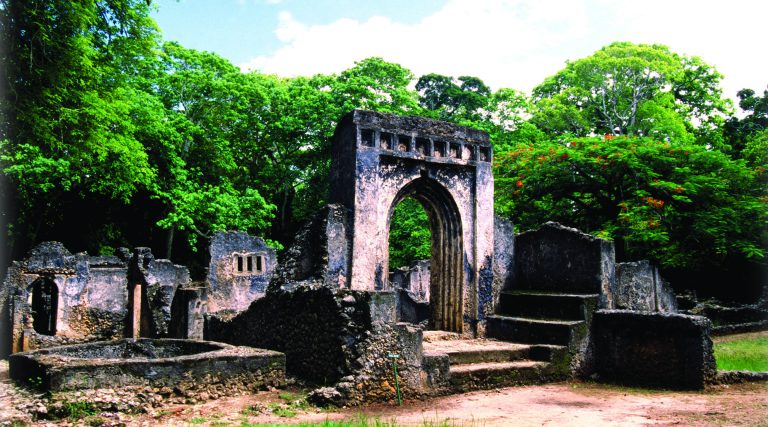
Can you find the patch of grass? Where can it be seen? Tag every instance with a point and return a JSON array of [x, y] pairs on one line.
[[749, 354], [76, 410], [293, 402], [94, 421], [364, 421], [252, 410], [290, 396], [197, 420], [282, 411]]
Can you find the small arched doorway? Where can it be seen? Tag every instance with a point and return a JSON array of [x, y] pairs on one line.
[[447, 263], [44, 304]]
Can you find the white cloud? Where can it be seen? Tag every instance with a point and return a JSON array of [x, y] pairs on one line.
[[517, 43], [489, 39]]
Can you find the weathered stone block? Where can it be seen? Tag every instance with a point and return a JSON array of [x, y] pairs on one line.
[[640, 287], [653, 349], [563, 259]]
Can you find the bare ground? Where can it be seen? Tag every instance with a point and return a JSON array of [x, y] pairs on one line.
[[573, 404]]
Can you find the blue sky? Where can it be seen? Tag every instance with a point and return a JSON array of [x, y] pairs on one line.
[[507, 43]]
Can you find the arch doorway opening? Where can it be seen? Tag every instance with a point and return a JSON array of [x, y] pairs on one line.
[[425, 215], [45, 302]]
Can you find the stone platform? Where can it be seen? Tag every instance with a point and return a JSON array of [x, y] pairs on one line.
[[180, 364]]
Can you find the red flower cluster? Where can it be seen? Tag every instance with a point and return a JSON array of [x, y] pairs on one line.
[[656, 203]]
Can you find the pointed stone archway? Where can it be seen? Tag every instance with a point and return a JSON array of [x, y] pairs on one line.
[[446, 272], [378, 160]]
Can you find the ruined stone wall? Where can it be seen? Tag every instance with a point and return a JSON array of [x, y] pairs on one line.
[[307, 324], [653, 349], [330, 335], [86, 298], [89, 298], [239, 271], [503, 253], [159, 279], [412, 290], [640, 287]]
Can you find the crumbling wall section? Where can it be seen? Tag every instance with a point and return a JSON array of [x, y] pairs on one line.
[[319, 255], [412, 289], [239, 271], [306, 323], [159, 278], [331, 335], [640, 287], [85, 299]]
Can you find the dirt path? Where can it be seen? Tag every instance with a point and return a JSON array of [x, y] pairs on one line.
[[572, 404]]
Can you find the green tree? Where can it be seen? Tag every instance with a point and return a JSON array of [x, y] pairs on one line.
[[409, 234], [739, 131], [375, 84], [635, 90], [205, 184], [464, 99], [677, 203], [71, 121]]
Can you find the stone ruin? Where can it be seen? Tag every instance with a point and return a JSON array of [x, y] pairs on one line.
[[238, 273], [490, 308]]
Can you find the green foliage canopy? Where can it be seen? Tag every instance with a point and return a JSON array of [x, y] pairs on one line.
[[678, 203], [635, 90]]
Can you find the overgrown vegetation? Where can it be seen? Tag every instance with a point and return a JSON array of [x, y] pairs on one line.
[[111, 137], [745, 354]]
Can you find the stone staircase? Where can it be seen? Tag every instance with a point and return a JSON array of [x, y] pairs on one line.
[[530, 340], [543, 318], [486, 363]]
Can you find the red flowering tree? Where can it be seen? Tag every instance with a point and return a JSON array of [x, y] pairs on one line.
[[678, 204]]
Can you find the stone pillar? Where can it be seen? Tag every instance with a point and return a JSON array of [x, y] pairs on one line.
[[136, 311], [25, 339]]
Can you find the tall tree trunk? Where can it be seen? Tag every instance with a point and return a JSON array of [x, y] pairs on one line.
[[169, 242]]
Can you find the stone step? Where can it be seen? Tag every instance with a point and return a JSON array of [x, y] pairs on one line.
[[434, 336], [546, 305], [535, 331], [480, 350], [500, 374]]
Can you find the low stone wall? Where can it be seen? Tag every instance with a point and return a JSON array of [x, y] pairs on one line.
[[347, 339], [733, 319], [653, 349], [174, 364], [306, 324]]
